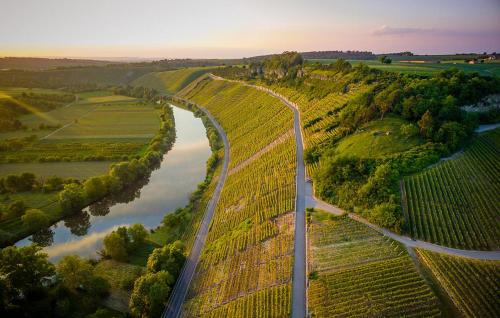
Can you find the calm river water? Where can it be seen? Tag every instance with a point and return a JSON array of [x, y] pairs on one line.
[[169, 187]]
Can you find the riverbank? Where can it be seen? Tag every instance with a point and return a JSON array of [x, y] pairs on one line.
[[124, 177]]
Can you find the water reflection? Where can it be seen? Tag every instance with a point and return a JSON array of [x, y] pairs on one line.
[[168, 188], [43, 237]]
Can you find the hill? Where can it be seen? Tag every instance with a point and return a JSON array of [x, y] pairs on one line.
[[170, 81], [246, 264], [36, 63]]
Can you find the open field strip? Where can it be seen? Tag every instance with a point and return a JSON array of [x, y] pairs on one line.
[[170, 82], [456, 203], [251, 236], [473, 285], [349, 262], [78, 170]]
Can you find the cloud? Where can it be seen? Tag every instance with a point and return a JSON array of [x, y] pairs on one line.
[[395, 31]]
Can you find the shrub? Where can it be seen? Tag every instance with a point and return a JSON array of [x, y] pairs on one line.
[[35, 219]]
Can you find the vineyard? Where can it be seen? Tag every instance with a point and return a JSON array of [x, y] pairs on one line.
[[252, 118], [319, 116], [456, 203], [246, 265], [473, 285], [350, 263]]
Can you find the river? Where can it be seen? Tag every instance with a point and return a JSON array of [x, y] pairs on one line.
[[169, 187]]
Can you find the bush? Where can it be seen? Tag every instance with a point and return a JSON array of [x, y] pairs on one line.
[[138, 234], [72, 198], [168, 258], [150, 294], [35, 219], [115, 246]]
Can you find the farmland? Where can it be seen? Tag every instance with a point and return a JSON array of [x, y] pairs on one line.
[[349, 262], [99, 126], [171, 81], [79, 170], [471, 284], [246, 264], [456, 202], [427, 69]]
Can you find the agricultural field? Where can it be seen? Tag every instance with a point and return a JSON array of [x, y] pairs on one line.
[[455, 203], [246, 263], [356, 272], [486, 69], [98, 126], [78, 170], [171, 82], [472, 285]]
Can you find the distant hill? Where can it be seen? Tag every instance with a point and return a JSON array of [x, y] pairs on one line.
[[37, 63], [347, 55]]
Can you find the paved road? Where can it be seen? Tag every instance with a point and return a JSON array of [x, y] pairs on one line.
[[312, 201], [299, 295], [173, 308], [299, 279]]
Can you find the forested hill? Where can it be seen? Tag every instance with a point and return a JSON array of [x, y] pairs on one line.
[[37, 63], [364, 128]]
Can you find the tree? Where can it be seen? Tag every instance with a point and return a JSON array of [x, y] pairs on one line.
[[385, 60], [27, 181], [409, 130], [138, 233], [11, 183], [387, 215], [150, 294], [425, 124], [168, 258], [114, 246], [451, 134], [71, 198], [23, 272], [34, 219], [16, 209], [94, 188], [74, 272]]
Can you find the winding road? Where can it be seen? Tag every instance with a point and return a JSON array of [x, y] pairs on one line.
[[312, 201], [174, 306]]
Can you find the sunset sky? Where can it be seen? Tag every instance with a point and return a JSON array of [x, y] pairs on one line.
[[218, 28]]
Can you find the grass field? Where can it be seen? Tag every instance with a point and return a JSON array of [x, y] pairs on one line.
[[356, 272], [79, 170], [47, 202], [98, 127], [472, 285], [378, 138], [246, 264], [456, 202], [486, 69], [171, 81]]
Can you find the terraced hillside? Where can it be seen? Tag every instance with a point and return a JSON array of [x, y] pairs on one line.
[[170, 82], [356, 272], [456, 203], [246, 264], [473, 285]]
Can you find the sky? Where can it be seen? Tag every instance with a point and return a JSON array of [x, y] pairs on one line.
[[237, 28]]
